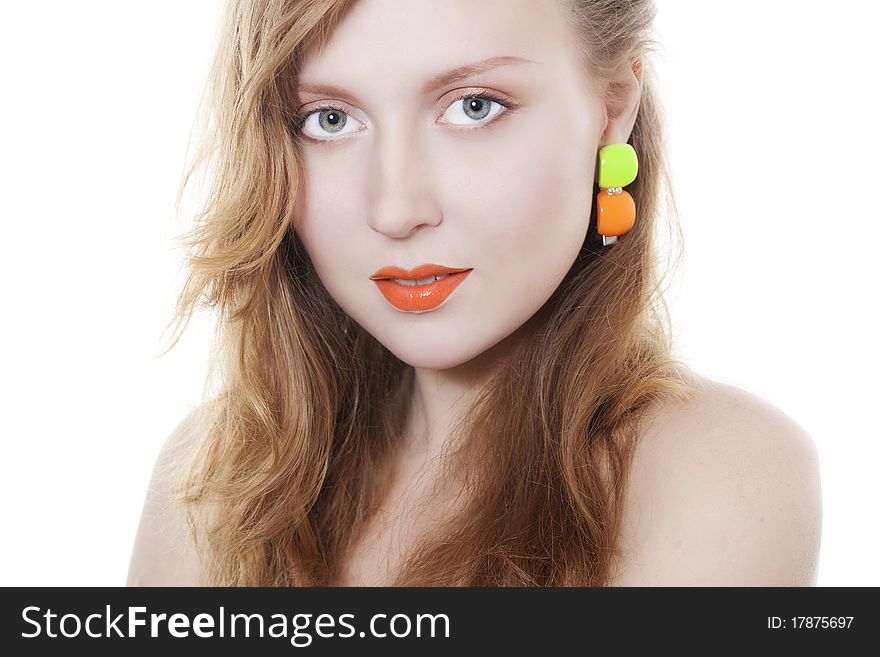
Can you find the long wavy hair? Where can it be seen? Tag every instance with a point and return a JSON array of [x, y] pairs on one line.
[[303, 409]]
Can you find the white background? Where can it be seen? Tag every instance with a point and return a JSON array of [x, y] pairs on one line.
[[774, 144]]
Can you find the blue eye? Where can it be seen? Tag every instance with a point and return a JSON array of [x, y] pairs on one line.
[[327, 120], [470, 109], [474, 108]]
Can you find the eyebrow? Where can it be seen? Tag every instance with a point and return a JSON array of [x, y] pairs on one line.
[[438, 81]]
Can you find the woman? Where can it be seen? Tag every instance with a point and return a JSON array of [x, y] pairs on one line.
[[441, 353]]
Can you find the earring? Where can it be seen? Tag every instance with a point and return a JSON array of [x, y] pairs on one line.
[[615, 208]]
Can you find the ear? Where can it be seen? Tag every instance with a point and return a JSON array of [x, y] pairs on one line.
[[625, 92]]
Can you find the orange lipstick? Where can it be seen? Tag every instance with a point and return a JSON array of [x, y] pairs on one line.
[[418, 290]]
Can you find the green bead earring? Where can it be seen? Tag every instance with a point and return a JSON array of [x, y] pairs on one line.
[[615, 208]]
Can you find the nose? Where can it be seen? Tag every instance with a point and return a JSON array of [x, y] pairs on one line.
[[401, 193]]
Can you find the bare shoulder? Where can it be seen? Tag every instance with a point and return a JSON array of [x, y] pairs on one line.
[[724, 491], [164, 553]]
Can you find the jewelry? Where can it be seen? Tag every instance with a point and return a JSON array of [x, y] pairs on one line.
[[615, 208]]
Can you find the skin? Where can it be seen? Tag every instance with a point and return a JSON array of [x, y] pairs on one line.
[[724, 489], [424, 182]]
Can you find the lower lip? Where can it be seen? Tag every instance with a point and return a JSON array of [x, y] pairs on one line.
[[419, 298]]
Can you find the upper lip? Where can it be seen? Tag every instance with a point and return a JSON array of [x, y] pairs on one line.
[[416, 274]]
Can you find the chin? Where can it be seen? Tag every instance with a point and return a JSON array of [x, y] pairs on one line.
[[439, 345], [450, 351], [430, 357]]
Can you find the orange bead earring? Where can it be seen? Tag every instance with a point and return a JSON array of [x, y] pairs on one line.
[[615, 208]]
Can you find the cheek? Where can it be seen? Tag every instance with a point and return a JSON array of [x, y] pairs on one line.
[[530, 203], [321, 227]]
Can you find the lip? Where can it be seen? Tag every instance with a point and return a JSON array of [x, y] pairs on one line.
[[418, 298], [422, 271]]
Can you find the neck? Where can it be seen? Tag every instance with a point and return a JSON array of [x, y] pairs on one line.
[[440, 398]]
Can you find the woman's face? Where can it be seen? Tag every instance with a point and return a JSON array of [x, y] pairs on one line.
[[399, 171]]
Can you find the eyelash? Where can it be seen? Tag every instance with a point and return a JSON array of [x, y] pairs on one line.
[[467, 95]]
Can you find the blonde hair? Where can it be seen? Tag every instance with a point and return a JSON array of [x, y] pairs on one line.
[[308, 407]]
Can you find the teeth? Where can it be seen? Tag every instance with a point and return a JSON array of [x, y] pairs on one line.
[[424, 281]]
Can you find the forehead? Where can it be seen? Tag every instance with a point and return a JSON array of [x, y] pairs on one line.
[[410, 41]]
